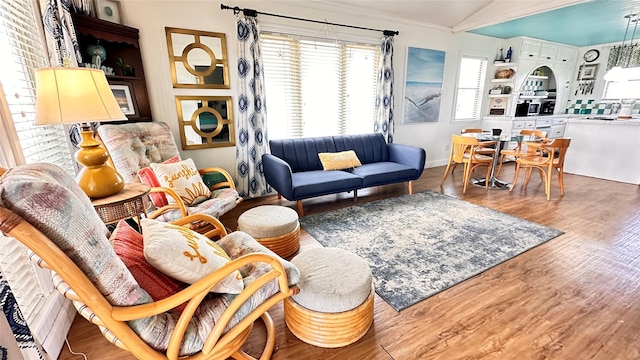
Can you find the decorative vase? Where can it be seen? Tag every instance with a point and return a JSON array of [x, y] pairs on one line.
[[98, 54]]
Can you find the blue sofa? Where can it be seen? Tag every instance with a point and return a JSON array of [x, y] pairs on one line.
[[294, 170]]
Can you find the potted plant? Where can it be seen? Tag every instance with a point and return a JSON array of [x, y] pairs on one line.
[[127, 70]]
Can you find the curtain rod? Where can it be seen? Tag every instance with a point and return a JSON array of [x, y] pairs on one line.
[[251, 12]]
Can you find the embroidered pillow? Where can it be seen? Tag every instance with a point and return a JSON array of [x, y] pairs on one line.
[[128, 245], [183, 178], [147, 176], [186, 255], [340, 160]]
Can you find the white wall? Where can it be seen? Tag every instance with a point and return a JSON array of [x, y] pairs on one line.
[[151, 16]]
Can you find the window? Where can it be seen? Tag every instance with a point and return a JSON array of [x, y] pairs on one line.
[[318, 87], [23, 51], [470, 87], [614, 90]]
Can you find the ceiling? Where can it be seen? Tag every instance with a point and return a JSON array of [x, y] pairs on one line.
[[572, 22]]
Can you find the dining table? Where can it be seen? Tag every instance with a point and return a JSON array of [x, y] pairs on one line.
[[502, 141]]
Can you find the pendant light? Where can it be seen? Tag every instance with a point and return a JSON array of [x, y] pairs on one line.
[[621, 70]]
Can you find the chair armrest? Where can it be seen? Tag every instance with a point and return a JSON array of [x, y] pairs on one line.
[[217, 228], [278, 175], [178, 205], [411, 156], [217, 185], [195, 294]]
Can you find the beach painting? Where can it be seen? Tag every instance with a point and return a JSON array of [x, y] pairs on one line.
[[423, 89]]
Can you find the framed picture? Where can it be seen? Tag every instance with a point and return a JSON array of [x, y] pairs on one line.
[[587, 72], [125, 98], [108, 10], [423, 89]]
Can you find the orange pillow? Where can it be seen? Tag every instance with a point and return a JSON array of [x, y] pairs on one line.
[[128, 245], [148, 177]]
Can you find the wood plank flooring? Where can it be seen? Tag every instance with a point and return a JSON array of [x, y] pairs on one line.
[[574, 297]]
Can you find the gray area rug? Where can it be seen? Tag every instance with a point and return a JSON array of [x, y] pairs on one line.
[[418, 245]]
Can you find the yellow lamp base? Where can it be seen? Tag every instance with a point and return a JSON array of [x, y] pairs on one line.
[[96, 179]]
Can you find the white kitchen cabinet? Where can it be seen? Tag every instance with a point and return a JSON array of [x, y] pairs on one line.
[[530, 48], [566, 54], [548, 51]]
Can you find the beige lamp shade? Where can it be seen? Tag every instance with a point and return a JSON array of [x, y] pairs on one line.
[[81, 95], [73, 95]]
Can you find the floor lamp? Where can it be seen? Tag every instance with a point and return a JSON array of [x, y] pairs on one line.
[[81, 95]]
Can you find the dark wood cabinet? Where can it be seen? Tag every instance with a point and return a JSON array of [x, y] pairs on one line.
[[119, 42]]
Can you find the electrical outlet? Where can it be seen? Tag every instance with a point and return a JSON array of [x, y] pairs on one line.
[[446, 147]]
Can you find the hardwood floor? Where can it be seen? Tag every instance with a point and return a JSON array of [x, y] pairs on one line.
[[574, 297]]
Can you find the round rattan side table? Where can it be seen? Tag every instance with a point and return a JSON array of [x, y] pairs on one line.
[[128, 203]]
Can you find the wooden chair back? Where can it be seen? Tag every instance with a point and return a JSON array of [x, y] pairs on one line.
[[471, 131], [461, 146]]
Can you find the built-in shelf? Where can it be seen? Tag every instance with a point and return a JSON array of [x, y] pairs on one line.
[[501, 80], [541, 77], [505, 64], [533, 96], [499, 95]]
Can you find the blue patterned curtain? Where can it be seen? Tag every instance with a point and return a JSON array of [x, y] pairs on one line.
[[251, 124], [23, 338], [60, 34], [384, 98], [62, 45]]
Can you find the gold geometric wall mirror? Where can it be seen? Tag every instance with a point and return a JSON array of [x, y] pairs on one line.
[[198, 59], [205, 121]]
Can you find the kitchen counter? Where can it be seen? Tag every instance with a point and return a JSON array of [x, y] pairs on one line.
[[603, 148]]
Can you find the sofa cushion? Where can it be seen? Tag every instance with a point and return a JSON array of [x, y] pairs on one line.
[[302, 154], [381, 173], [147, 176], [183, 178], [315, 183], [186, 255], [340, 160], [134, 146], [128, 245]]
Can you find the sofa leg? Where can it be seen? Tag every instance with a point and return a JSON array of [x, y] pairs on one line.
[[300, 209], [410, 187], [355, 195]]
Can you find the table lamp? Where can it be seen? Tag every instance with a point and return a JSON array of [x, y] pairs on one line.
[[81, 95]]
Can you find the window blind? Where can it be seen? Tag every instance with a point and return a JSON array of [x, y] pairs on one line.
[[318, 87], [23, 51], [614, 90], [470, 87]]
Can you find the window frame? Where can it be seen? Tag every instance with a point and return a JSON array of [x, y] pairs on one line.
[[346, 41], [481, 89]]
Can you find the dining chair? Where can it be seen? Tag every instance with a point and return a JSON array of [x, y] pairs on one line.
[[43, 208], [521, 150], [464, 151], [549, 159], [485, 150]]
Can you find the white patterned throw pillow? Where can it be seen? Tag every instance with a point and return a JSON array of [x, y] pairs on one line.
[[186, 255], [183, 178]]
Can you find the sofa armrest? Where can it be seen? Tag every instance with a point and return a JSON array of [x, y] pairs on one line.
[[411, 156], [278, 175]]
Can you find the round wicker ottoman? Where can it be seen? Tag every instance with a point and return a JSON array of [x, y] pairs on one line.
[[335, 305], [275, 227]]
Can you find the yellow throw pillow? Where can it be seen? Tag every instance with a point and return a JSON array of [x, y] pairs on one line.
[[340, 160], [186, 255], [183, 178]]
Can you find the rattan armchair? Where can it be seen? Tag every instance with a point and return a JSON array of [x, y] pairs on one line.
[[133, 147], [43, 208]]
